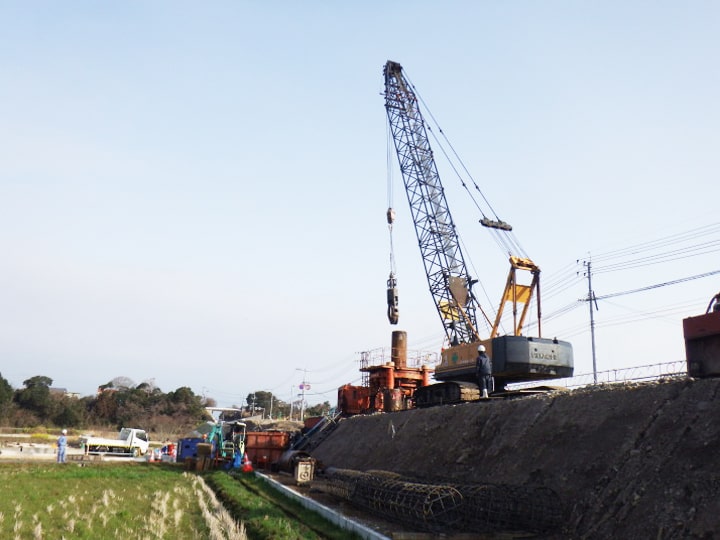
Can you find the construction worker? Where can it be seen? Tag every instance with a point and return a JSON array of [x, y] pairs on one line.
[[61, 446], [483, 370]]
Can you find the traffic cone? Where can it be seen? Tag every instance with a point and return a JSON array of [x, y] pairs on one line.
[[247, 464]]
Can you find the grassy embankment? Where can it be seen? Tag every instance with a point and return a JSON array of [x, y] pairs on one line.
[[135, 500], [267, 513]]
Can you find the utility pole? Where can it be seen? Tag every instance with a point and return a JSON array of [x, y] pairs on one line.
[[302, 402], [292, 397], [303, 386], [591, 300]]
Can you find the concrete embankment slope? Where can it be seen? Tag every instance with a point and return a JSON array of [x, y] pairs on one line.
[[630, 461]]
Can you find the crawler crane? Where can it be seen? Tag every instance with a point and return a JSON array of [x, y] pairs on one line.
[[516, 357]]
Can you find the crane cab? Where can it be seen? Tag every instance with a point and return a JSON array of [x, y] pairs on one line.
[[515, 359]]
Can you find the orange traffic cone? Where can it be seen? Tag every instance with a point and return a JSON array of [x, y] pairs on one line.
[[247, 464]]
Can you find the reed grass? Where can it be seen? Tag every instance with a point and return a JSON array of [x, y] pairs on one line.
[[148, 501], [109, 501]]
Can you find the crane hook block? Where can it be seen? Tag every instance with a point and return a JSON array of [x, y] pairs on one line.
[[393, 312], [390, 216]]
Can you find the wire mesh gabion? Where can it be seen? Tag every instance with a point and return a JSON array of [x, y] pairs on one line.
[[447, 507], [426, 506], [495, 507]]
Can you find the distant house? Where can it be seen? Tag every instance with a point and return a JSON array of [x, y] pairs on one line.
[[64, 392]]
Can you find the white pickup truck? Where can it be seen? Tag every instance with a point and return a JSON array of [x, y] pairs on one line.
[[130, 441]]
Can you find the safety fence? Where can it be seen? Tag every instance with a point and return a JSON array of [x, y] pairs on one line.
[[650, 372]]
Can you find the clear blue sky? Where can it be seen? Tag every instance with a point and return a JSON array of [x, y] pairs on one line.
[[194, 194]]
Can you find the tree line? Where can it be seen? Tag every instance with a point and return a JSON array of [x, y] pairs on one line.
[[121, 403]]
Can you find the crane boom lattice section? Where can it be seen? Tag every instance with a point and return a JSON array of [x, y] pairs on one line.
[[439, 244]]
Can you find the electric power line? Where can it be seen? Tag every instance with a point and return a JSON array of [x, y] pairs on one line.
[[658, 285]]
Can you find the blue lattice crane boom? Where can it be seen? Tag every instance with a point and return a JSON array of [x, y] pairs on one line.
[[445, 268], [516, 358]]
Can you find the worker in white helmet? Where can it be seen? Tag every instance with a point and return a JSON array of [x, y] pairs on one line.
[[483, 369], [61, 446]]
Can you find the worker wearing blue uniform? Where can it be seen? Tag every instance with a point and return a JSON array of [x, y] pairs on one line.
[[62, 446]]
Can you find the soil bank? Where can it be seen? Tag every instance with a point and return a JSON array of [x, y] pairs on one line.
[[628, 461]]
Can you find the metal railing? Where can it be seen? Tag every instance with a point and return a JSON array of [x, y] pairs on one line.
[[650, 372], [383, 355]]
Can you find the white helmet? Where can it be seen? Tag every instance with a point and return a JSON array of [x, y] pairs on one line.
[[481, 348], [64, 431]]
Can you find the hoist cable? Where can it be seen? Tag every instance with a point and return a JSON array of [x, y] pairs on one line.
[[486, 319], [389, 165], [390, 195], [460, 161], [507, 242], [457, 173]]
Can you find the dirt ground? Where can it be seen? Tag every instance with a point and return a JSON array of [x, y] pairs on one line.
[[627, 461]]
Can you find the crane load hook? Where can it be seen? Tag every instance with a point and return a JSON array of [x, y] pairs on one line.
[[392, 300]]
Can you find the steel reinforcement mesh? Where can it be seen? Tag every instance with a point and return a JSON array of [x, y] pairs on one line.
[[443, 508]]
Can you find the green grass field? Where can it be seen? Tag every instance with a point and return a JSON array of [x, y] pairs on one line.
[[149, 501]]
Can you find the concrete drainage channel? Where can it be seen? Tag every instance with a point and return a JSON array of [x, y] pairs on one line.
[[341, 521]]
